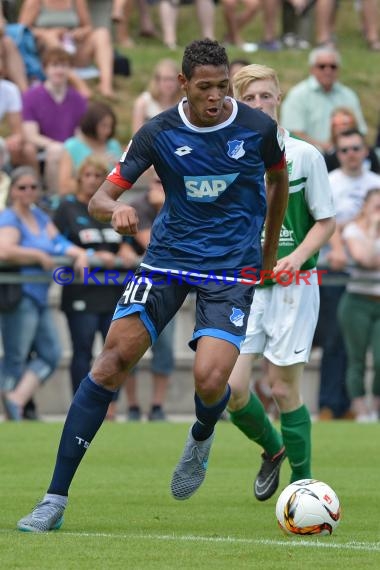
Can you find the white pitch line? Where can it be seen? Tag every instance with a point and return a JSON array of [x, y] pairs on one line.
[[298, 542]]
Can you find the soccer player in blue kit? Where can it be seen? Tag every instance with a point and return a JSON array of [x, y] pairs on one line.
[[211, 154]]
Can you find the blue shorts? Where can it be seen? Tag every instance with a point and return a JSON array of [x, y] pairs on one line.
[[222, 308]]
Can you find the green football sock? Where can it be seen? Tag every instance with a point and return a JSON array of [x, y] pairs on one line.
[[296, 433], [253, 421]]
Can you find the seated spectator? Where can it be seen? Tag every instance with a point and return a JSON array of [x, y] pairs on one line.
[[95, 136], [326, 12], [31, 347], [369, 23], [4, 178], [43, 103], [14, 67], [307, 107], [121, 12], [147, 206], [236, 18], [16, 150], [162, 93], [121, 15], [169, 17], [297, 23], [68, 24], [89, 309], [270, 40], [343, 119], [359, 307]]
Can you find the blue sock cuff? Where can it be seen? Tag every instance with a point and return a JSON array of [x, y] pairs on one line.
[[100, 393], [204, 412]]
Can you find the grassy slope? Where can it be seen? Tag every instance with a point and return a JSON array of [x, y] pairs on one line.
[[122, 516], [359, 69]]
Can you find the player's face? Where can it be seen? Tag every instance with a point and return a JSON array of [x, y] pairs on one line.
[[262, 94], [206, 92]]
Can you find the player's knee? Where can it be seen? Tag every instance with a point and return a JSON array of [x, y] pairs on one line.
[[111, 367], [210, 383], [238, 399], [286, 395]]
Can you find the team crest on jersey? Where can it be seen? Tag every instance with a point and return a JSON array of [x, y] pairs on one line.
[[237, 317], [235, 149]]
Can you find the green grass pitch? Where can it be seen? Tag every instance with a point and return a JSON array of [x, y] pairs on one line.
[[121, 514]]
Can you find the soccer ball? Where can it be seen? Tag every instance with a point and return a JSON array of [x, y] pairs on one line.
[[308, 507]]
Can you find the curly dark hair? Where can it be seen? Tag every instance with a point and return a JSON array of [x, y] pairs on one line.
[[203, 52]]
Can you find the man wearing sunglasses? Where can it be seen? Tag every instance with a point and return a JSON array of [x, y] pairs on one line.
[[307, 108], [350, 184]]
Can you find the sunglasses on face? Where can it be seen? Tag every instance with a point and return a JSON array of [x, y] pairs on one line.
[[323, 66], [24, 187], [346, 149]]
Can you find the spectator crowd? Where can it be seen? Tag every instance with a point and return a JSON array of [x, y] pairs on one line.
[[59, 140]]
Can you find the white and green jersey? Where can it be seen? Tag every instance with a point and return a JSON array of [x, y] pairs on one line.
[[310, 195]]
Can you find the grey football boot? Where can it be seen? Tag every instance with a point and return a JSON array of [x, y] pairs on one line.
[[46, 515], [190, 472]]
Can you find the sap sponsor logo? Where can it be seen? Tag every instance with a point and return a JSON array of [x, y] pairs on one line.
[[235, 149], [207, 188]]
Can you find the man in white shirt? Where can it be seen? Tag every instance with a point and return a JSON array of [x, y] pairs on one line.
[[350, 184]]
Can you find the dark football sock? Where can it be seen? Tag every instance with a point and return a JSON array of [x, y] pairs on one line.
[[85, 416], [207, 416]]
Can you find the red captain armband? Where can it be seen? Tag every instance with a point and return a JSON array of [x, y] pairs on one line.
[[115, 177], [280, 165]]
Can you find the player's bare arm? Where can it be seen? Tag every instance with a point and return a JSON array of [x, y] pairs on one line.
[[277, 188], [105, 207], [317, 236]]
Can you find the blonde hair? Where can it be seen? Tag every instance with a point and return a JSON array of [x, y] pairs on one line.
[[164, 64], [96, 162], [253, 72]]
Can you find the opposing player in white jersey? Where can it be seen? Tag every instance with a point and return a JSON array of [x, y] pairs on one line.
[[283, 315]]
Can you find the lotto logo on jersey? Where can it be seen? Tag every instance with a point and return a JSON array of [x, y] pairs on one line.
[[207, 188]]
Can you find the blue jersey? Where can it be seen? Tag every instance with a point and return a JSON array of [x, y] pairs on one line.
[[213, 179]]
